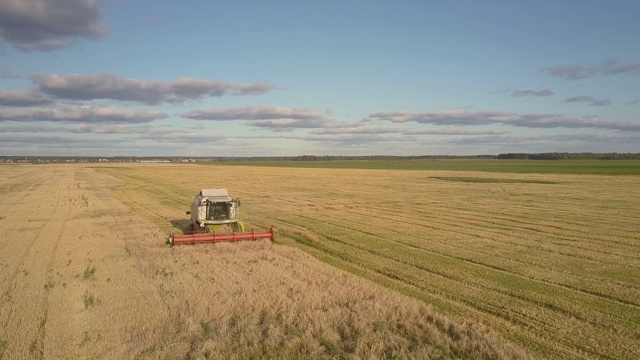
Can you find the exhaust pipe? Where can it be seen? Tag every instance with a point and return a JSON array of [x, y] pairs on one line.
[[213, 238]]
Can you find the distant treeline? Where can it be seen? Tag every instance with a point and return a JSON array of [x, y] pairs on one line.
[[529, 156], [571, 156], [534, 156], [378, 157]]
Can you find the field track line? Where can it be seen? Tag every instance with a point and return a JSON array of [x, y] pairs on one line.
[[459, 229], [419, 248], [27, 249], [428, 293], [488, 308], [28, 257], [56, 237]]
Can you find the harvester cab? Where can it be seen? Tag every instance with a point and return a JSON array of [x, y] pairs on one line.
[[213, 210]]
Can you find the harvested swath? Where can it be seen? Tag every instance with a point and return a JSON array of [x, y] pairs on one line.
[[491, 180]]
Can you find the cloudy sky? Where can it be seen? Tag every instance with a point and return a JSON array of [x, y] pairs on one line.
[[330, 77]]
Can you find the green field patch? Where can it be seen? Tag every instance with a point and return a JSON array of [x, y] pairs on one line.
[[491, 180], [521, 166]]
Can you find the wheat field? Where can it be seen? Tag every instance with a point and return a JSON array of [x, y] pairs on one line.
[[86, 274], [550, 262]]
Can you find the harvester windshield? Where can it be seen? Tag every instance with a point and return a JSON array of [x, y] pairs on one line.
[[218, 210]]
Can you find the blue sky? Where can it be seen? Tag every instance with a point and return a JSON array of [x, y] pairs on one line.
[[274, 78]]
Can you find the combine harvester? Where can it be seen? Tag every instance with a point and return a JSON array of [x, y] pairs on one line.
[[213, 210]]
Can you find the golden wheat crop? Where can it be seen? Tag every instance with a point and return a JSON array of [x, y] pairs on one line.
[[85, 274]]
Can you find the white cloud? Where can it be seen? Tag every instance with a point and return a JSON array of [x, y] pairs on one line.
[[271, 117], [447, 117], [49, 24], [113, 87], [23, 98], [590, 99], [586, 71], [541, 92], [253, 113], [358, 128], [471, 118], [88, 114]]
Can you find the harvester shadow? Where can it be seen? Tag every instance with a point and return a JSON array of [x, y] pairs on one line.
[[183, 225]]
